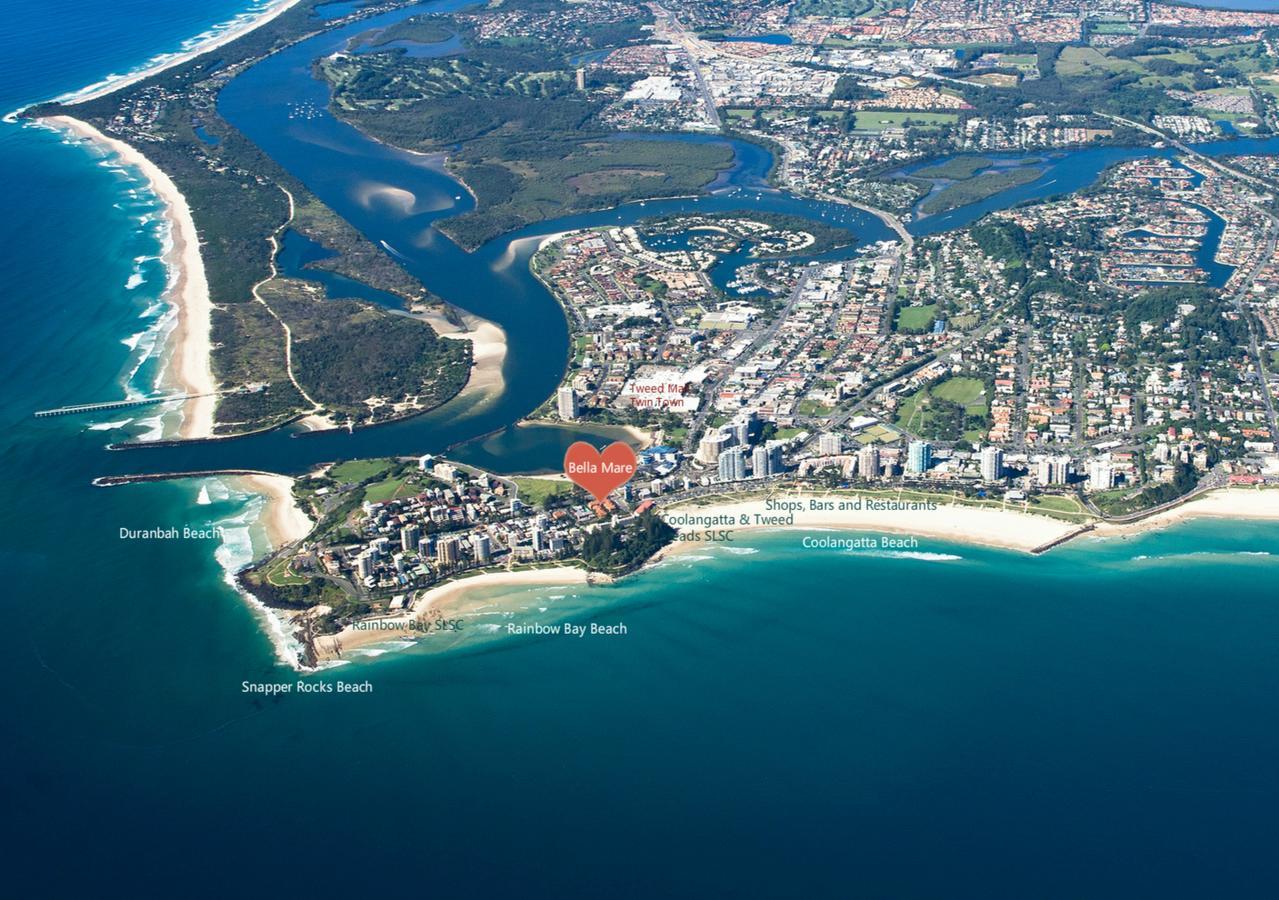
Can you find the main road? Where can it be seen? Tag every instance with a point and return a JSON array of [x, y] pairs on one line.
[[669, 27]]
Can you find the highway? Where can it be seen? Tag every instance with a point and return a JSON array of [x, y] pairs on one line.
[[670, 28]]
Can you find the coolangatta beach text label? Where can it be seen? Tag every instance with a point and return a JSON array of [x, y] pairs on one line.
[[600, 473]]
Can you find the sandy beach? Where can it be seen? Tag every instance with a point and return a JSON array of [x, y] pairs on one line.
[[1004, 528], [188, 368], [237, 28], [452, 599], [488, 351], [1007, 528], [1226, 503], [282, 519]]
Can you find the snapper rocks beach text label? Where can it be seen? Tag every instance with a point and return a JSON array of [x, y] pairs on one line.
[[277, 688]]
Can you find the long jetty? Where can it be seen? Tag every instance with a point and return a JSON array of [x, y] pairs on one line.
[[78, 408], [112, 404]]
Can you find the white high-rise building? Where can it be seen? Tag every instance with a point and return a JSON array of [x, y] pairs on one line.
[[992, 464], [759, 462], [774, 449], [409, 535], [482, 546], [1052, 469], [1101, 474], [919, 456], [830, 444], [566, 403], [732, 464], [868, 462]]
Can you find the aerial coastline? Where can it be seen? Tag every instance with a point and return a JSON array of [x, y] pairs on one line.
[[188, 355], [706, 523], [449, 600], [1005, 527], [230, 31]]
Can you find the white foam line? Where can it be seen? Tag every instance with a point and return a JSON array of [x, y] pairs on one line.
[[219, 35]]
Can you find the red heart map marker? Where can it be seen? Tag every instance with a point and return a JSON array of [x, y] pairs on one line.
[[600, 473]]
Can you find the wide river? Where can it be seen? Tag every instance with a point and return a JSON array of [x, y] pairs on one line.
[[283, 108]]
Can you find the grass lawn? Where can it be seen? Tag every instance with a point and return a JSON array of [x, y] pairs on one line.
[[813, 408], [1057, 504], [878, 120], [1018, 61], [1085, 61], [970, 392], [994, 79], [279, 575], [534, 490], [356, 470], [1113, 28], [909, 410], [916, 319], [387, 489], [881, 433]]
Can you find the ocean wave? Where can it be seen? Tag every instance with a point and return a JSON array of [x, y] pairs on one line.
[[107, 426], [383, 648], [217, 489], [909, 554], [236, 550], [740, 551], [135, 280], [152, 429], [1201, 554]]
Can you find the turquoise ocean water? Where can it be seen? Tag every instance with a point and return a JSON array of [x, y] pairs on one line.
[[1098, 722]]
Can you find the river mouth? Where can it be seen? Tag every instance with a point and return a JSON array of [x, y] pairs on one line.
[[395, 198]]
